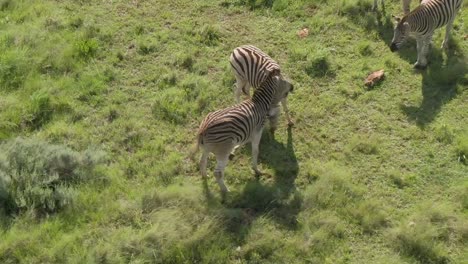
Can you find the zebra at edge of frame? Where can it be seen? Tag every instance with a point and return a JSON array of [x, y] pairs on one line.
[[421, 22], [406, 5], [222, 131], [251, 66]]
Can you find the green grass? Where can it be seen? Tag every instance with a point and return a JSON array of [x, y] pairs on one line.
[[364, 176]]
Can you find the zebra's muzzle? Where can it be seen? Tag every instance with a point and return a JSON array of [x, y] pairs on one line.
[[393, 47]]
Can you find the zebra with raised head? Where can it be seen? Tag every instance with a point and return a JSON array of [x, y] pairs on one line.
[[224, 130], [422, 22], [251, 67], [406, 5]]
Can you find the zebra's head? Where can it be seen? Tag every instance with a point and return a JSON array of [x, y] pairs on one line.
[[400, 34], [284, 88]]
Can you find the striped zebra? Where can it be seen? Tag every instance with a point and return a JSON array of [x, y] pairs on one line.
[[224, 130], [422, 22], [251, 66], [406, 5]]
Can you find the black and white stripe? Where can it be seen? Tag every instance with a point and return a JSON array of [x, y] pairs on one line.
[[251, 66], [224, 130], [422, 22]]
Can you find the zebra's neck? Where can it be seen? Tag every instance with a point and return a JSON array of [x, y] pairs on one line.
[[263, 96], [419, 20]]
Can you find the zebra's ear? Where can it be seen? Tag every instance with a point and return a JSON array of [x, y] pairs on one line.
[[273, 72], [397, 19]]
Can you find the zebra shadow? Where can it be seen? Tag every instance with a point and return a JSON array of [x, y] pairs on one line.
[[440, 80], [274, 197]]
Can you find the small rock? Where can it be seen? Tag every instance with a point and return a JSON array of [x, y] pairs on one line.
[[374, 78]]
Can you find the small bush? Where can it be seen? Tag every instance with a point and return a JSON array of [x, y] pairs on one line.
[[318, 65], [363, 144], [255, 4], [40, 109], [208, 35], [147, 46], [365, 49], [462, 149], [425, 235], [14, 67], [171, 105], [37, 176], [332, 189], [370, 215], [444, 134], [87, 48]]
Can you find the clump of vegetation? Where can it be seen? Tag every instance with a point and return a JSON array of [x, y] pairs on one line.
[[318, 64], [171, 106], [37, 176], [332, 189], [40, 109], [87, 48], [208, 35], [254, 4], [444, 134], [147, 46], [14, 68], [370, 215], [363, 144], [425, 235], [364, 48], [185, 61], [462, 149]]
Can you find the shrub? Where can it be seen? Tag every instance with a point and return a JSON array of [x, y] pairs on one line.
[[208, 35], [332, 189], [318, 64], [87, 48], [427, 232], [444, 134], [40, 109], [172, 106], [363, 144], [462, 149], [35, 175], [14, 68], [370, 215]]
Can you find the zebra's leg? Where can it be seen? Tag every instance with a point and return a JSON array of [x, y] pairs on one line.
[[375, 5], [447, 33], [222, 162], [239, 87], [406, 6], [273, 117], [255, 143], [284, 103], [232, 154], [203, 163], [419, 47]]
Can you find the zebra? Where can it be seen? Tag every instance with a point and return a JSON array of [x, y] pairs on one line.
[[422, 22], [224, 130], [251, 66], [406, 5]]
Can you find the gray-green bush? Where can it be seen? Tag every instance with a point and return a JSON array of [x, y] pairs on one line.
[[38, 176]]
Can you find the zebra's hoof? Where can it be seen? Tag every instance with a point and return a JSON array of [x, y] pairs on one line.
[[231, 156], [419, 66], [290, 123]]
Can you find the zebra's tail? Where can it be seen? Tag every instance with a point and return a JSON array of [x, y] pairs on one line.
[[196, 147]]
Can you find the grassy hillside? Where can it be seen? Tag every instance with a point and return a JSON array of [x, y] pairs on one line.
[[108, 95]]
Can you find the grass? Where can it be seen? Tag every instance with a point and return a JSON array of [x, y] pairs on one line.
[[364, 176]]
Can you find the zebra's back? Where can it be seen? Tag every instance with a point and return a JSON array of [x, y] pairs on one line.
[[233, 124], [440, 12], [252, 64]]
